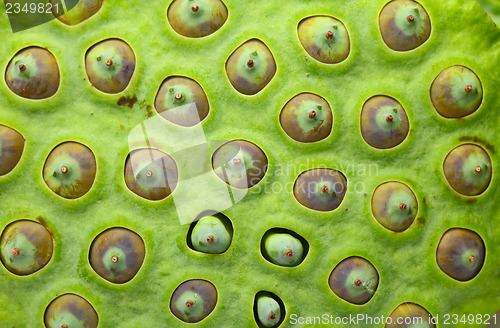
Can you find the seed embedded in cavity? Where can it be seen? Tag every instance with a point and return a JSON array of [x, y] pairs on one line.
[[12, 147], [72, 309], [211, 234], [83, 10], [193, 300], [269, 310], [284, 247], [408, 313]]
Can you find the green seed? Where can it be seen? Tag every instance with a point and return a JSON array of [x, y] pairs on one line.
[[25, 247], [456, 92], [83, 10], [117, 255], [283, 248], [404, 25], [70, 170], [320, 189], [355, 280], [251, 67], [324, 38], [307, 118], [150, 173], [415, 315], [110, 65], [33, 73], [196, 19], [394, 205], [72, 311], [381, 126], [212, 234], [187, 110], [193, 300], [460, 254], [11, 149], [268, 310], [468, 169], [240, 163]]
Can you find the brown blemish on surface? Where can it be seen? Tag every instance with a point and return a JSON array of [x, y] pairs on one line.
[[421, 220], [471, 200], [128, 101], [45, 225], [149, 110], [487, 145]]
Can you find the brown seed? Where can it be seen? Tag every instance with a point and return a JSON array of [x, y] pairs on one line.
[[312, 114], [272, 315], [289, 253], [324, 189], [210, 239], [195, 8], [189, 304], [389, 118], [22, 67], [109, 62], [329, 35], [15, 252], [114, 259], [411, 18], [64, 169], [468, 88], [478, 169], [250, 63], [178, 96], [402, 206], [358, 283]]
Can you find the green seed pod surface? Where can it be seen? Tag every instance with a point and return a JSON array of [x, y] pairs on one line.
[[70, 170], [411, 315], [211, 235], [193, 300], [33, 73], [11, 148], [70, 311], [324, 38]]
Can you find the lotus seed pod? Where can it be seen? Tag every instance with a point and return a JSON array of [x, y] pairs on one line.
[[212, 235], [240, 163], [117, 255], [26, 247], [182, 101], [11, 148], [70, 311], [355, 280], [324, 38], [251, 67], [82, 11], [193, 300], [404, 25], [320, 189], [460, 254], [283, 249], [410, 315], [70, 170], [384, 123], [468, 169], [268, 311], [110, 65], [150, 173], [307, 118], [198, 18], [456, 92], [33, 73], [394, 206]]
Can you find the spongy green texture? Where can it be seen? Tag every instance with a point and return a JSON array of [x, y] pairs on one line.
[[461, 34]]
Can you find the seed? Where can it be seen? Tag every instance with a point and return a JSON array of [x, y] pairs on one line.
[[11, 149], [269, 310], [211, 234], [410, 313], [70, 308], [80, 12], [284, 247], [193, 300], [309, 189]]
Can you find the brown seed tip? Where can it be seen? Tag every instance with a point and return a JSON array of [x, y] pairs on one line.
[[64, 169], [312, 114], [358, 283], [109, 62], [329, 35], [236, 161], [478, 169], [324, 189], [272, 315], [195, 8], [472, 258], [210, 239], [15, 252], [22, 67], [114, 259], [64, 326], [402, 206], [468, 88], [250, 63], [178, 96], [389, 118], [189, 304], [289, 253], [149, 174], [411, 18]]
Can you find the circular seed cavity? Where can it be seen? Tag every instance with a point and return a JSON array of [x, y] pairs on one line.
[[82, 11], [71, 311], [468, 169], [404, 25], [198, 18], [354, 280], [182, 101], [110, 65], [33, 73], [268, 309], [320, 189], [384, 123], [25, 247], [456, 92], [70, 170], [150, 173], [11, 149], [307, 118], [193, 300], [394, 206], [240, 163], [324, 38], [284, 247], [460, 254], [211, 234], [117, 255], [409, 315], [251, 67]]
